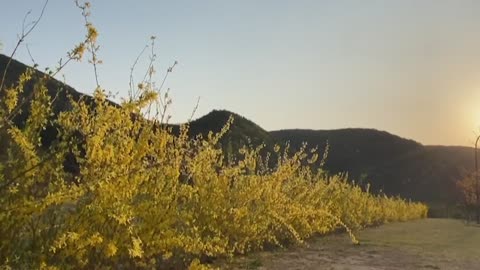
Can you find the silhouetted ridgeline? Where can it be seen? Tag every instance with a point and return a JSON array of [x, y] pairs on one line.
[[242, 131], [390, 163], [55, 87]]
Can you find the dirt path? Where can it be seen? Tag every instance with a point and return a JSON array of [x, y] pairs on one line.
[[422, 244]]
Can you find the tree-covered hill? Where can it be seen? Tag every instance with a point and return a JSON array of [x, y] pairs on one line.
[[389, 162], [395, 165], [241, 132]]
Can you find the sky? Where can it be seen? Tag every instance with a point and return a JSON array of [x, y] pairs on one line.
[[408, 67]]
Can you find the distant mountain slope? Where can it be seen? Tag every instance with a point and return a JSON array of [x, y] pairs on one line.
[[58, 91], [55, 88], [390, 163], [350, 146], [241, 132]]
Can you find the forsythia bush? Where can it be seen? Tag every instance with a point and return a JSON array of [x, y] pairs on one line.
[[145, 197]]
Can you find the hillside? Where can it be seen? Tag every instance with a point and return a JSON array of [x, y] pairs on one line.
[[241, 132], [58, 91], [390, 163], [55, 88]]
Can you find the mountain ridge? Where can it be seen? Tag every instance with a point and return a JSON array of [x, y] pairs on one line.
[[390, 163]]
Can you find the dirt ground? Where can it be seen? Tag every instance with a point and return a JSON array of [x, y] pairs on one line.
[[421, 244]]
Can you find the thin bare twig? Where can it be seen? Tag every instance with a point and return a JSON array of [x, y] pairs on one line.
[[194, 110], [30, 54], [132, 69], [25, 33], [165, 101], [93, 48]]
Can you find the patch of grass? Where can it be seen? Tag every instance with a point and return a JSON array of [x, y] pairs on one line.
[[420, 244], [442, 237], [253, 264]]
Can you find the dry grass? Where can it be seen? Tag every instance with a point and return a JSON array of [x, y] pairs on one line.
[[421, 244]]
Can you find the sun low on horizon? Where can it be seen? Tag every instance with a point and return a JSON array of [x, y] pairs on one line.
[[214, 134]]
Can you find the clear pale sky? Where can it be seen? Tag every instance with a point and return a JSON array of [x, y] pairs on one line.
[[411, 68]]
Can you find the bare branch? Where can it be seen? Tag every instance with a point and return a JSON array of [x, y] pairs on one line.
[[25, 33], [132, 69], [194, 110], [92, 47], [30, 55]]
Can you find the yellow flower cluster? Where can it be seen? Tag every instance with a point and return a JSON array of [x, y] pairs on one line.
[[144, 197]]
